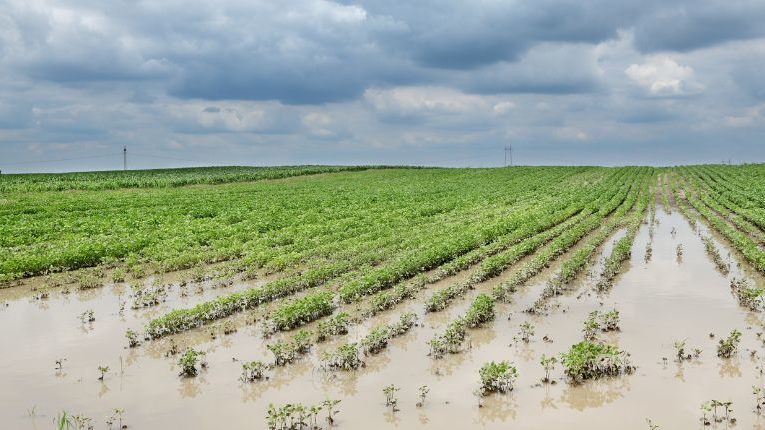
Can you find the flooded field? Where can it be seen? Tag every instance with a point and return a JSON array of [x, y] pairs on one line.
[[661, 300], [386, 298]]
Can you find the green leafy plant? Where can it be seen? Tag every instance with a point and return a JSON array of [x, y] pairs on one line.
[[102, 371], [333, 326], [548, 364], [390, 396], [728, 347], [591, 360], [190, 361], [254, 371], [345, 357], [526, 332], [132, 338], [497, 377]]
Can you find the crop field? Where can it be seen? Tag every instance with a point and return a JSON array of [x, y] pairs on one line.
[[317, 297]]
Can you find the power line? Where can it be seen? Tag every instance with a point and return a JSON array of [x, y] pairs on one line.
[[509, 149]]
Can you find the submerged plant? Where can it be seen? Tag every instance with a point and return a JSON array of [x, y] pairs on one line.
[[591, 326], [609, 321], [66, 421], [422, 392], [332, 326], [450, 341], [102, 370], [87, 316], [591, 360], [759, 396], [527, 330], [727, 347], [329, 406], [132, 338], [497, 377], [286, 352], [189, 360], [390, 396], [752, 298], [345, 357], [116, 418], [253, 371], [481, 311], [548, 364]]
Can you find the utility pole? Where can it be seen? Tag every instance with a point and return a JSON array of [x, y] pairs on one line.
[[509, 149], [124, 157]]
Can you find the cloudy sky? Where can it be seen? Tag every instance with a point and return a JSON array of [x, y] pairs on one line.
[[430, 82]]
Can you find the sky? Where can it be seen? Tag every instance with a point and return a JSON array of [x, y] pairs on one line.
[[427, 82]]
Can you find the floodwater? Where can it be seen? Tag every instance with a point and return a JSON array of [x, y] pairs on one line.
[[662, 300]]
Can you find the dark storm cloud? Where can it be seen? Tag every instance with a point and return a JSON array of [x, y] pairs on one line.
[[380, 81], [312, 52], [699, 24]]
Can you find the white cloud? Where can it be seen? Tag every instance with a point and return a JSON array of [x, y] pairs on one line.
[[752, 116], [502, 108], [412, 100], [663, 76], [571, 133]]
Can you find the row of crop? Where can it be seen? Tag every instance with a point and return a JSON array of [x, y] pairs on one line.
[[735, 199], [559, 246], [494, 265], [159, 178], [184, 319], [622, 250], [521, 226], [741, 241], [181, 227], [386, 299], [742, 218], [440, 299]]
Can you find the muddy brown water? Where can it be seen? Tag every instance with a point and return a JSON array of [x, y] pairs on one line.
[[660, 301]]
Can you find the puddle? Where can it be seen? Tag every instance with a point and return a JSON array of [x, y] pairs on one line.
[[660, 301]]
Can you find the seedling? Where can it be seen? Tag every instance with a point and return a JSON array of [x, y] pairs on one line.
[[759, 396], [390, 396], [102, 370], [591, 326], [651, 425], [727, 347], [132, 338], [189, 360], [526, 332], [228, 327], [548, 364], [173, 350], [712, 406], [87, 316], [60, 364], [706, 408], [423, 392], [66, 421], [116, 418], [329, 405], [253, 371]]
